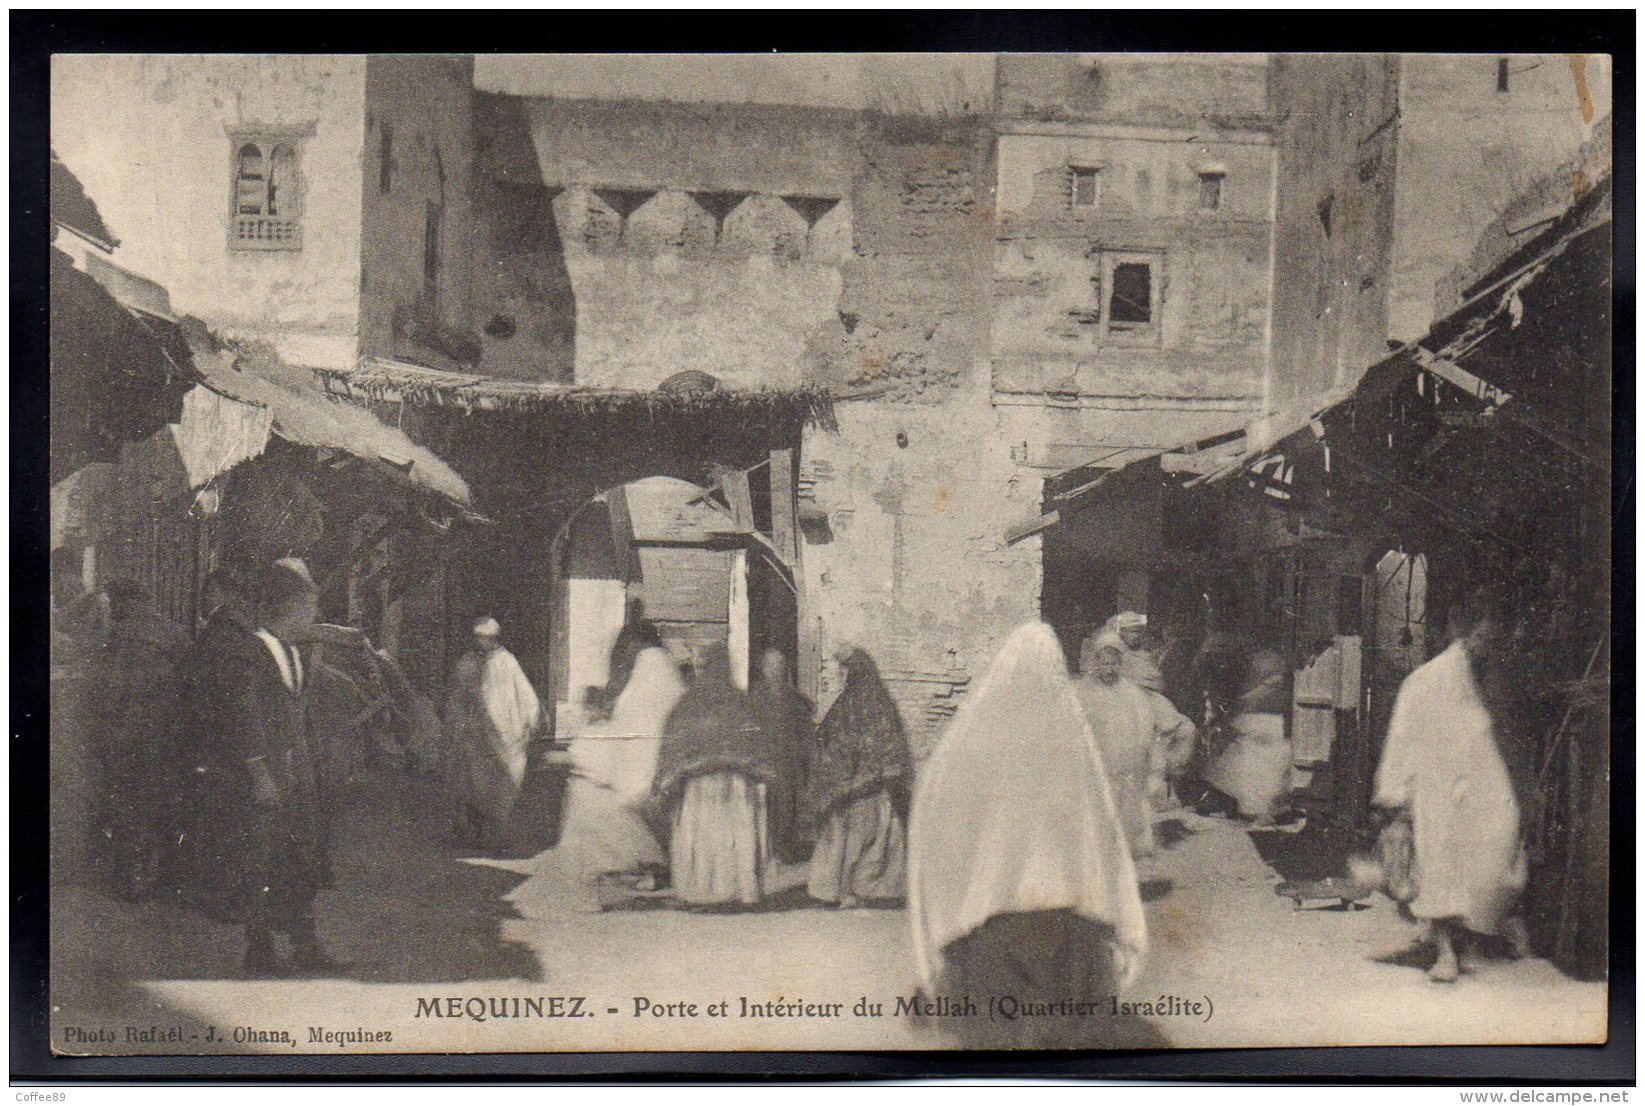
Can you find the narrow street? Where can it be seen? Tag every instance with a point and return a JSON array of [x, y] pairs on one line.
[[419, 927]]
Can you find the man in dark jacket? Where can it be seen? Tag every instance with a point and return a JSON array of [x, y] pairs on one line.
[[265, 829]]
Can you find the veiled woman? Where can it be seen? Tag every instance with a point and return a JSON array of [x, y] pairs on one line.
[[1020, 880], [613, 765], [718, 775], [860, 775]]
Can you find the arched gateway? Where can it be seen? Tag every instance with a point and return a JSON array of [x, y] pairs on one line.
[[661, 541]]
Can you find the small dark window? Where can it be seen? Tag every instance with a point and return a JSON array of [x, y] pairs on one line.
[[1210, 191], [1131, 297], [1083, 189], [1502, 74], [385, 158], [431, 248], [251, 191], [1324, 213]]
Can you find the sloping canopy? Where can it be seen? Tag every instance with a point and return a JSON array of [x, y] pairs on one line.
[[72, 208], [116, 376], [304, 414], [1538, 398]]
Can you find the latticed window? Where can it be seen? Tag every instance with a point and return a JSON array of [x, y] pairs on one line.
[[267, 195]]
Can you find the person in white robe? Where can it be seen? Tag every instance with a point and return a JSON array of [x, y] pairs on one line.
[[1254, 769], [1174, 733], [1020, 879], [1441, 766], [604, 828], [1122, 720], [491, 715]]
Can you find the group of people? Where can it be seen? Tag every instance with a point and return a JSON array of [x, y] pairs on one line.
[[1017, 852], [679, 774], [1029, 816]]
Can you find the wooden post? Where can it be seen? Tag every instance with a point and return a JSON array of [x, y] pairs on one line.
[[734, 483], [784, 524], [737, 617]]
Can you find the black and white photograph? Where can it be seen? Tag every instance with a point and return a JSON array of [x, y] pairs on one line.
[[816, 552]]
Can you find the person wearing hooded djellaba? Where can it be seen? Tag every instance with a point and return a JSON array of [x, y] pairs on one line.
[[1122, 722], [491, 715], [719, 775], [859, 779], [1442, 767], [1021, 883]]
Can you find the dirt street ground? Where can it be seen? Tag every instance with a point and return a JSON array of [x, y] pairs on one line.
[[435, 961]]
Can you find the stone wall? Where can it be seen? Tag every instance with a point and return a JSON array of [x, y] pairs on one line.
[[1333, 230], [775, 245], [1468, 151], [149, 136], [912, 564], [1208, 336], [1152, 89], [419, 116]]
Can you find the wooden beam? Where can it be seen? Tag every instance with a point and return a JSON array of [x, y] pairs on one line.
[[734, 483], [1459, 377], [1029, 529], [716, 488], [1454, 374], [784, 524]]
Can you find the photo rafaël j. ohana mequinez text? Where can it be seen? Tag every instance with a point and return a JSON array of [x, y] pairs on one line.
[[806, 552]]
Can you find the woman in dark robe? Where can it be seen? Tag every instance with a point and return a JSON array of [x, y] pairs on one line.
[[719, 775], [786, 717], [858, 790], [1021, 883]]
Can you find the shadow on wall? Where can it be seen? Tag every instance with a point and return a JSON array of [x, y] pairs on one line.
[[523, 304]]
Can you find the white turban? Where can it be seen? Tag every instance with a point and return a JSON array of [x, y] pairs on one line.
[[487, 627]]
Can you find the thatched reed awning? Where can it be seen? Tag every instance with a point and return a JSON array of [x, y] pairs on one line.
[[381, 380]]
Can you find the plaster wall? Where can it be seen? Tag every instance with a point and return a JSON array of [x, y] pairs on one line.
[[916, 569], [1134, 89], [1467, 151], [423, 105], [1213, 292], [891, 83], [1334, 222], [149, 136]]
